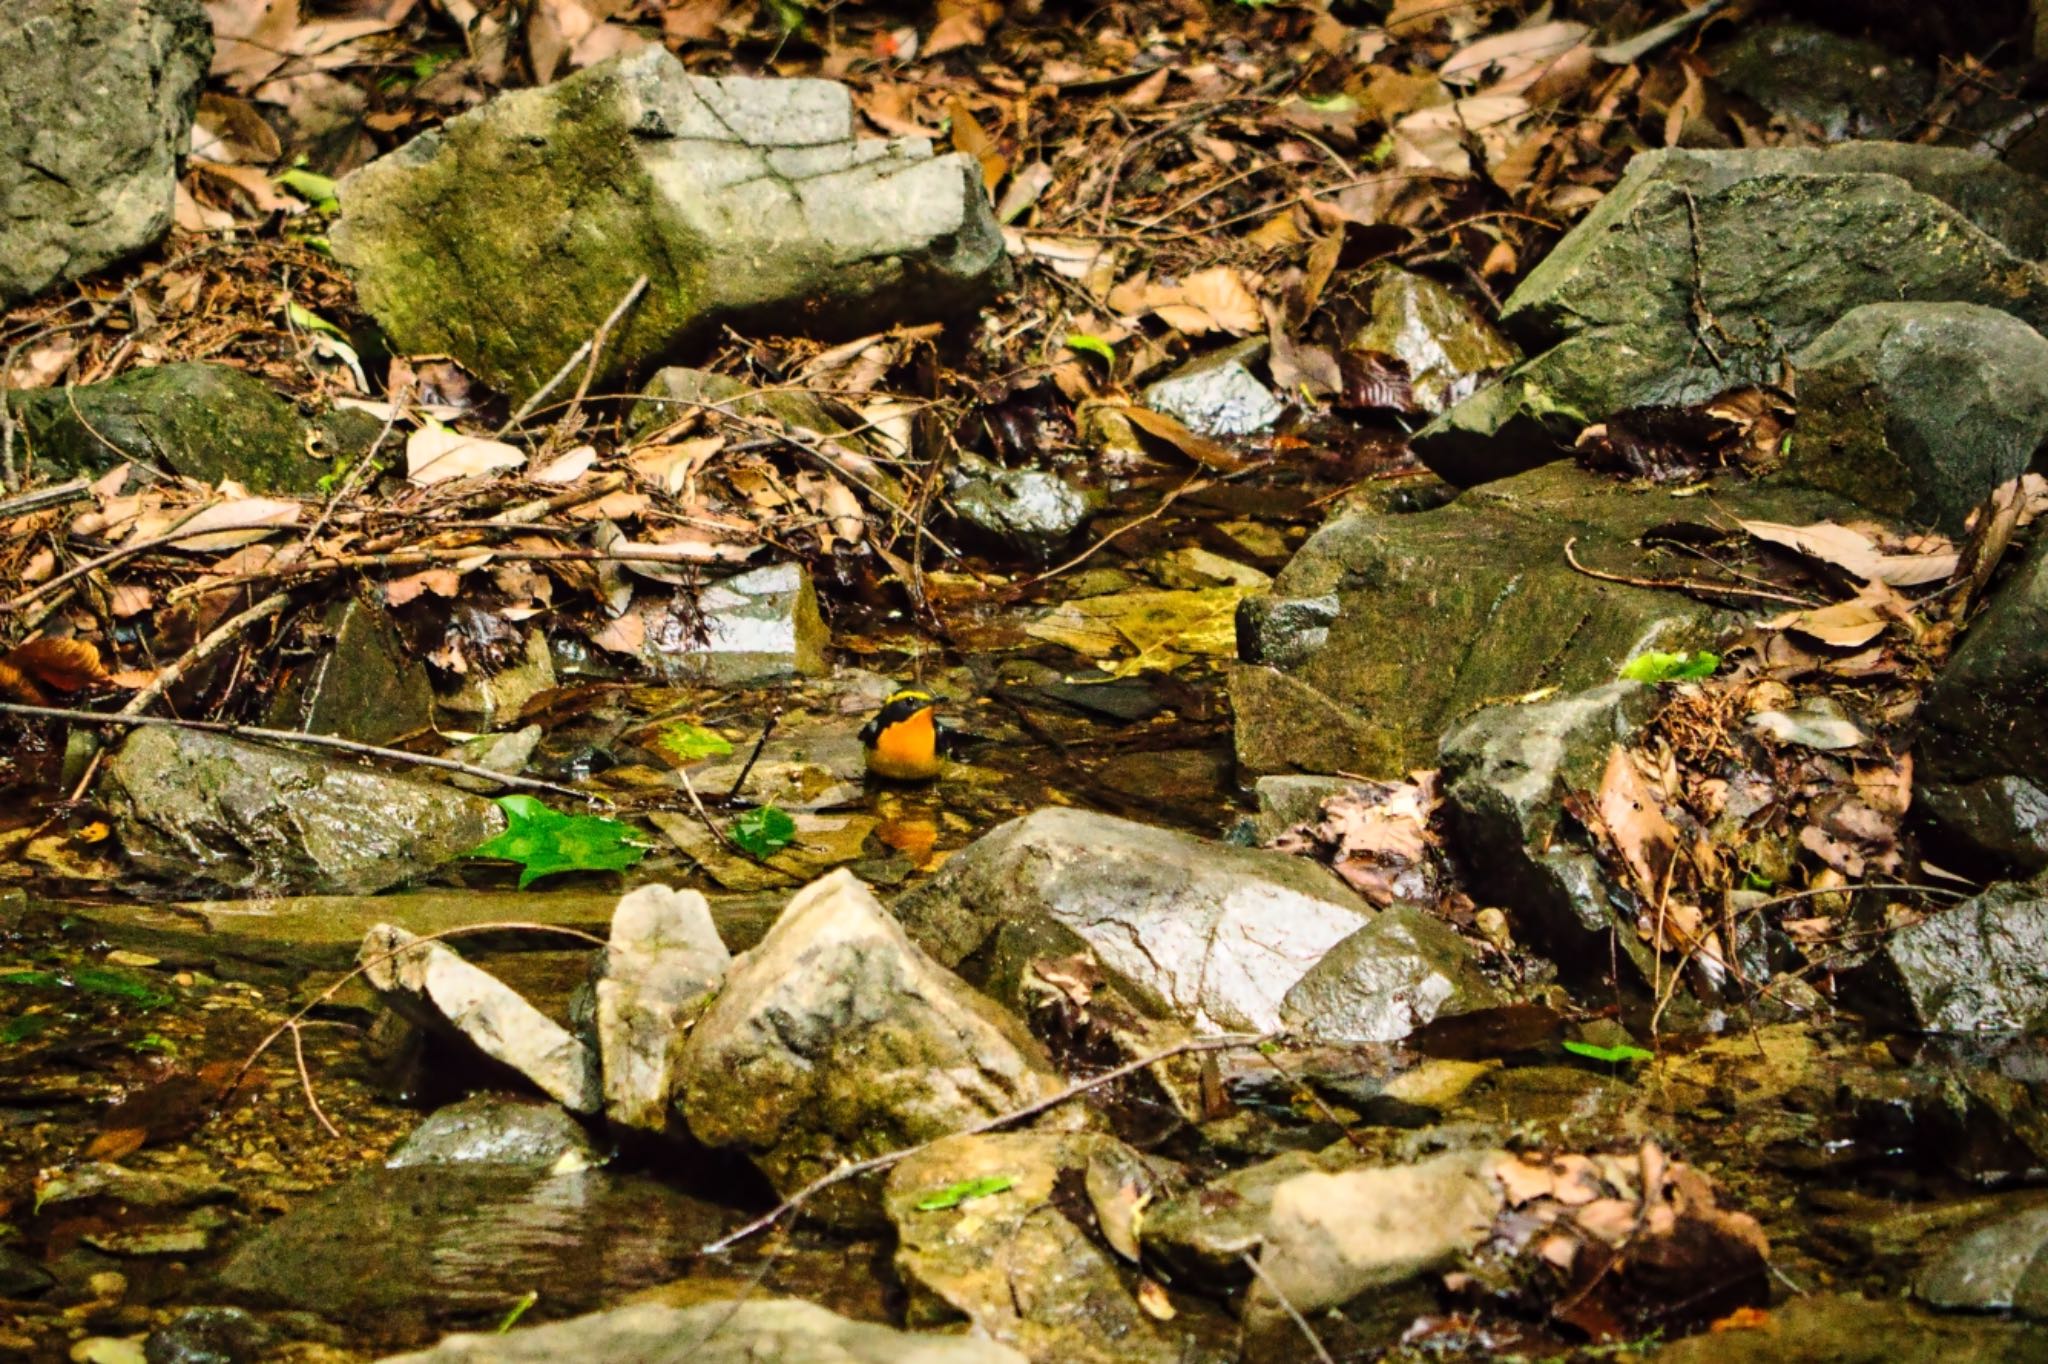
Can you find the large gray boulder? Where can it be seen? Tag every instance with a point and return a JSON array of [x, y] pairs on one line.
[[1982, 757], [838, 1039], [741, 1331], [1210, 935], [1705, 270], [1397, 973], [662, 964], [506, 236], [1919, 410], [95, 110], [1384, 629], [204, 807], [1999, 1268], [1981, 966]]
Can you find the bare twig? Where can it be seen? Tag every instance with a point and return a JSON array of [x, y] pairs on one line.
[[224, 634], [77, 490], [306, 1079], [294, 736], [1679, 584], [113, 556], [739, 783], [1001, 1120], [1315, 1342], [588, 349]]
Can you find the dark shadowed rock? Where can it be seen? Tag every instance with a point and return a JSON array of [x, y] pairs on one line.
[[95, 110], [1919, 410], [1830, 1328], [1010, 1261], [1031, 513], [1389, 978], [837, 1039], [493, 1129], [742, 1331], [1981, 966], [662, 965], [192, 807], [354, 677], [1202, 932], [506, 236], [1844, 87], [1702, 271]]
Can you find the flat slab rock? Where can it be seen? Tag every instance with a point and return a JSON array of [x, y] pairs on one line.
[[506, 236]]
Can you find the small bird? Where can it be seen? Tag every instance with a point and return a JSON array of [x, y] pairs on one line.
[[905, 742]]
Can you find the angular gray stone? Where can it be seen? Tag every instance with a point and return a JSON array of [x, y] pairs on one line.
[[1981, 966], [1205, 1233], [95, 111], [1449, 349], [1918, 410], [207, 422], [1389, 978], [1505, 774], [1011, 1262], [1285, 801], [1703, 271], [1205, 933], [494, 699], [207, 808], [491, 1129], [353, 676], [1999, 1268], [838, 1039], [1385, 629], [507, 235], [1218, 395], [662, 965], [430, 986], [2000, 821], [743, 1331], [757, 627], [1032, 513]]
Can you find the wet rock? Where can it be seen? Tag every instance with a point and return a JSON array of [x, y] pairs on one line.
[[757, 627], [1999, 1268], [662, 965], [431, 987], [508, 753], [1030, 513], [354, 678], [492, 1129], [1984, 732], [451, 1242], [1218, 395], [1010, 1261], [1205, 1233], [1918, 410], [1332, 1237], [1981, 966], [1448, 348], [203, 807], [1700, 271], [21, 1276], [1844, 87], [496, 698], [119, 1186], [506, 236], [1506, 772], [742, 1331], [1829, 1328], [1554, 1107], [1203, 932], [1285, 801], [97, 111], [209, 1335], [1386, 629], [1389, 978], [207, 422], [181, 1237], [2000, 822], [837, 1039]]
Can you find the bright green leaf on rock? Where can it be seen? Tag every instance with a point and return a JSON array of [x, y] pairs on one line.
[[1658, 667], [544, 842], [1611, 1055], [764, 832], [953, 1195], [1093, 345], [686, 743], [317, 190]]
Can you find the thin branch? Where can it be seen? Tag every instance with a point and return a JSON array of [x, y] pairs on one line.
[[1679, 584], [1259, 1272], [1001, 1120], [294, 736], [306, 1080], [576, 357], [127, 551], [224, 634]]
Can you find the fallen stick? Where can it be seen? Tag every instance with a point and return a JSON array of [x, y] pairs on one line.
[[823, 1182]]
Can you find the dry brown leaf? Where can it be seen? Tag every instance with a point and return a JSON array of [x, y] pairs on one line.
[[1636, 824], [566, 467], [436, 453], [1200, 449], [1215, 299], [233, 523], [442, 582], [1845, 625], [970, 137], [1517, 56], [1854, 552]]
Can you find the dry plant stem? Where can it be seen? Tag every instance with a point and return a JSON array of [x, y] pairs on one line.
[[1194, 483], [1315, 1342], [597, 340], [586, 349], [77, 490], [292, 1023], [224, 634], [294, 736], [739, 783], [306, 1082], [113, 556], [1679, 584], [415, 558], [1001, 1120]]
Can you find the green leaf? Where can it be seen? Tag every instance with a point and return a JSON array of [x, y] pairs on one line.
[[544, 842], [93, 981], [526, 1300], [23, 1028], [686, 743], [1612, 1055], [1332, 104], [1093, 345], [154, 1042], [309, 320], [764, 832], [1656, 667], [317, 190], [953, 1195]]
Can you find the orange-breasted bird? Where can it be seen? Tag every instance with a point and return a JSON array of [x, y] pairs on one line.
[[905, 741]]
